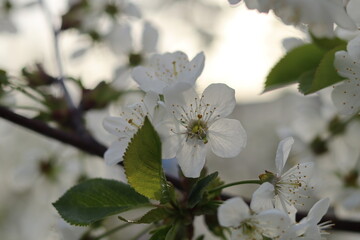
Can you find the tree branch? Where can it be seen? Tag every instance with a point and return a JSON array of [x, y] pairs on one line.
[[93, 147]]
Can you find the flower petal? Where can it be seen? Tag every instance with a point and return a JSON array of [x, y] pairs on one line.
[[346, 97], [115, 152], [227, 137], [232, 212], [116, 126], [149, 38], [273, 222], [318, 210], [221, 97], [262, 198], [191, 157], [353, 48], [282, 153], [346, 66]]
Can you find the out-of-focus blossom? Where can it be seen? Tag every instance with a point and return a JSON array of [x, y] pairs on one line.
[[248, 225], [123, 44], [346, 95], [319, 15], [286, 189], [169, 71]]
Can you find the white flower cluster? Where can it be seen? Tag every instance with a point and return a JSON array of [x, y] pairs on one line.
[[272, 209], [188, 124], [318, 15]]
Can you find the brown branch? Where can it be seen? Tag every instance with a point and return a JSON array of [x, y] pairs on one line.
[[93, 147]]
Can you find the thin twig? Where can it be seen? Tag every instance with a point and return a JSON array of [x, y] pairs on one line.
[[76, 114], [95, 148]]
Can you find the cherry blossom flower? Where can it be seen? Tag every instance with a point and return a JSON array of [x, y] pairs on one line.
[[248, 225], [126, 125], [309, 228], [286, 189], [319, 15], [199, 124], [169, 71], [346, 95]]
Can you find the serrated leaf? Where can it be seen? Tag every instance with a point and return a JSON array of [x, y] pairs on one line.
[[326, 74], [96, 199], [198, 189], [290, 68], [142, 162], [152, 216], [305, 81], [327, 43]]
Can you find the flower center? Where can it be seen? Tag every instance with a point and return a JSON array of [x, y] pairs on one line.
[[197, 129]]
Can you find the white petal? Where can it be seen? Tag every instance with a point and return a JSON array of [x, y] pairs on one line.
[[115, 152], [146, 78], [191, 157], [353, 48], [149, 38], [183, 99], [346, 97], [337, 11], [227, 137], [191, 71], [115, 125], [232, 212], [169, 139], [133, 10], [346, 66], [120, 39], [318, 210], [221, 97], [262, 198], [273, 222], [282, 153], [285, 206], [352, 9]]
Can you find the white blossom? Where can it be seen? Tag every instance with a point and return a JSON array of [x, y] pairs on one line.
[[126, 125], [346, 95], [286, 188], [248, 225], [169, 71], [319, 15], [199, 123]]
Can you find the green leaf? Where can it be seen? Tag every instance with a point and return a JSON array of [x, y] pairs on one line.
[[327, 43], [142, 163], [152, 216], [198, 189], [96, 199], [305, 81], [292, 66], [160, 233], [323, 76], [3, 77], [326, 74], [176, 232]]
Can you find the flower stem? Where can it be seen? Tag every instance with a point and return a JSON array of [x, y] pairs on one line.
[[112, 231], [234, 184]]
